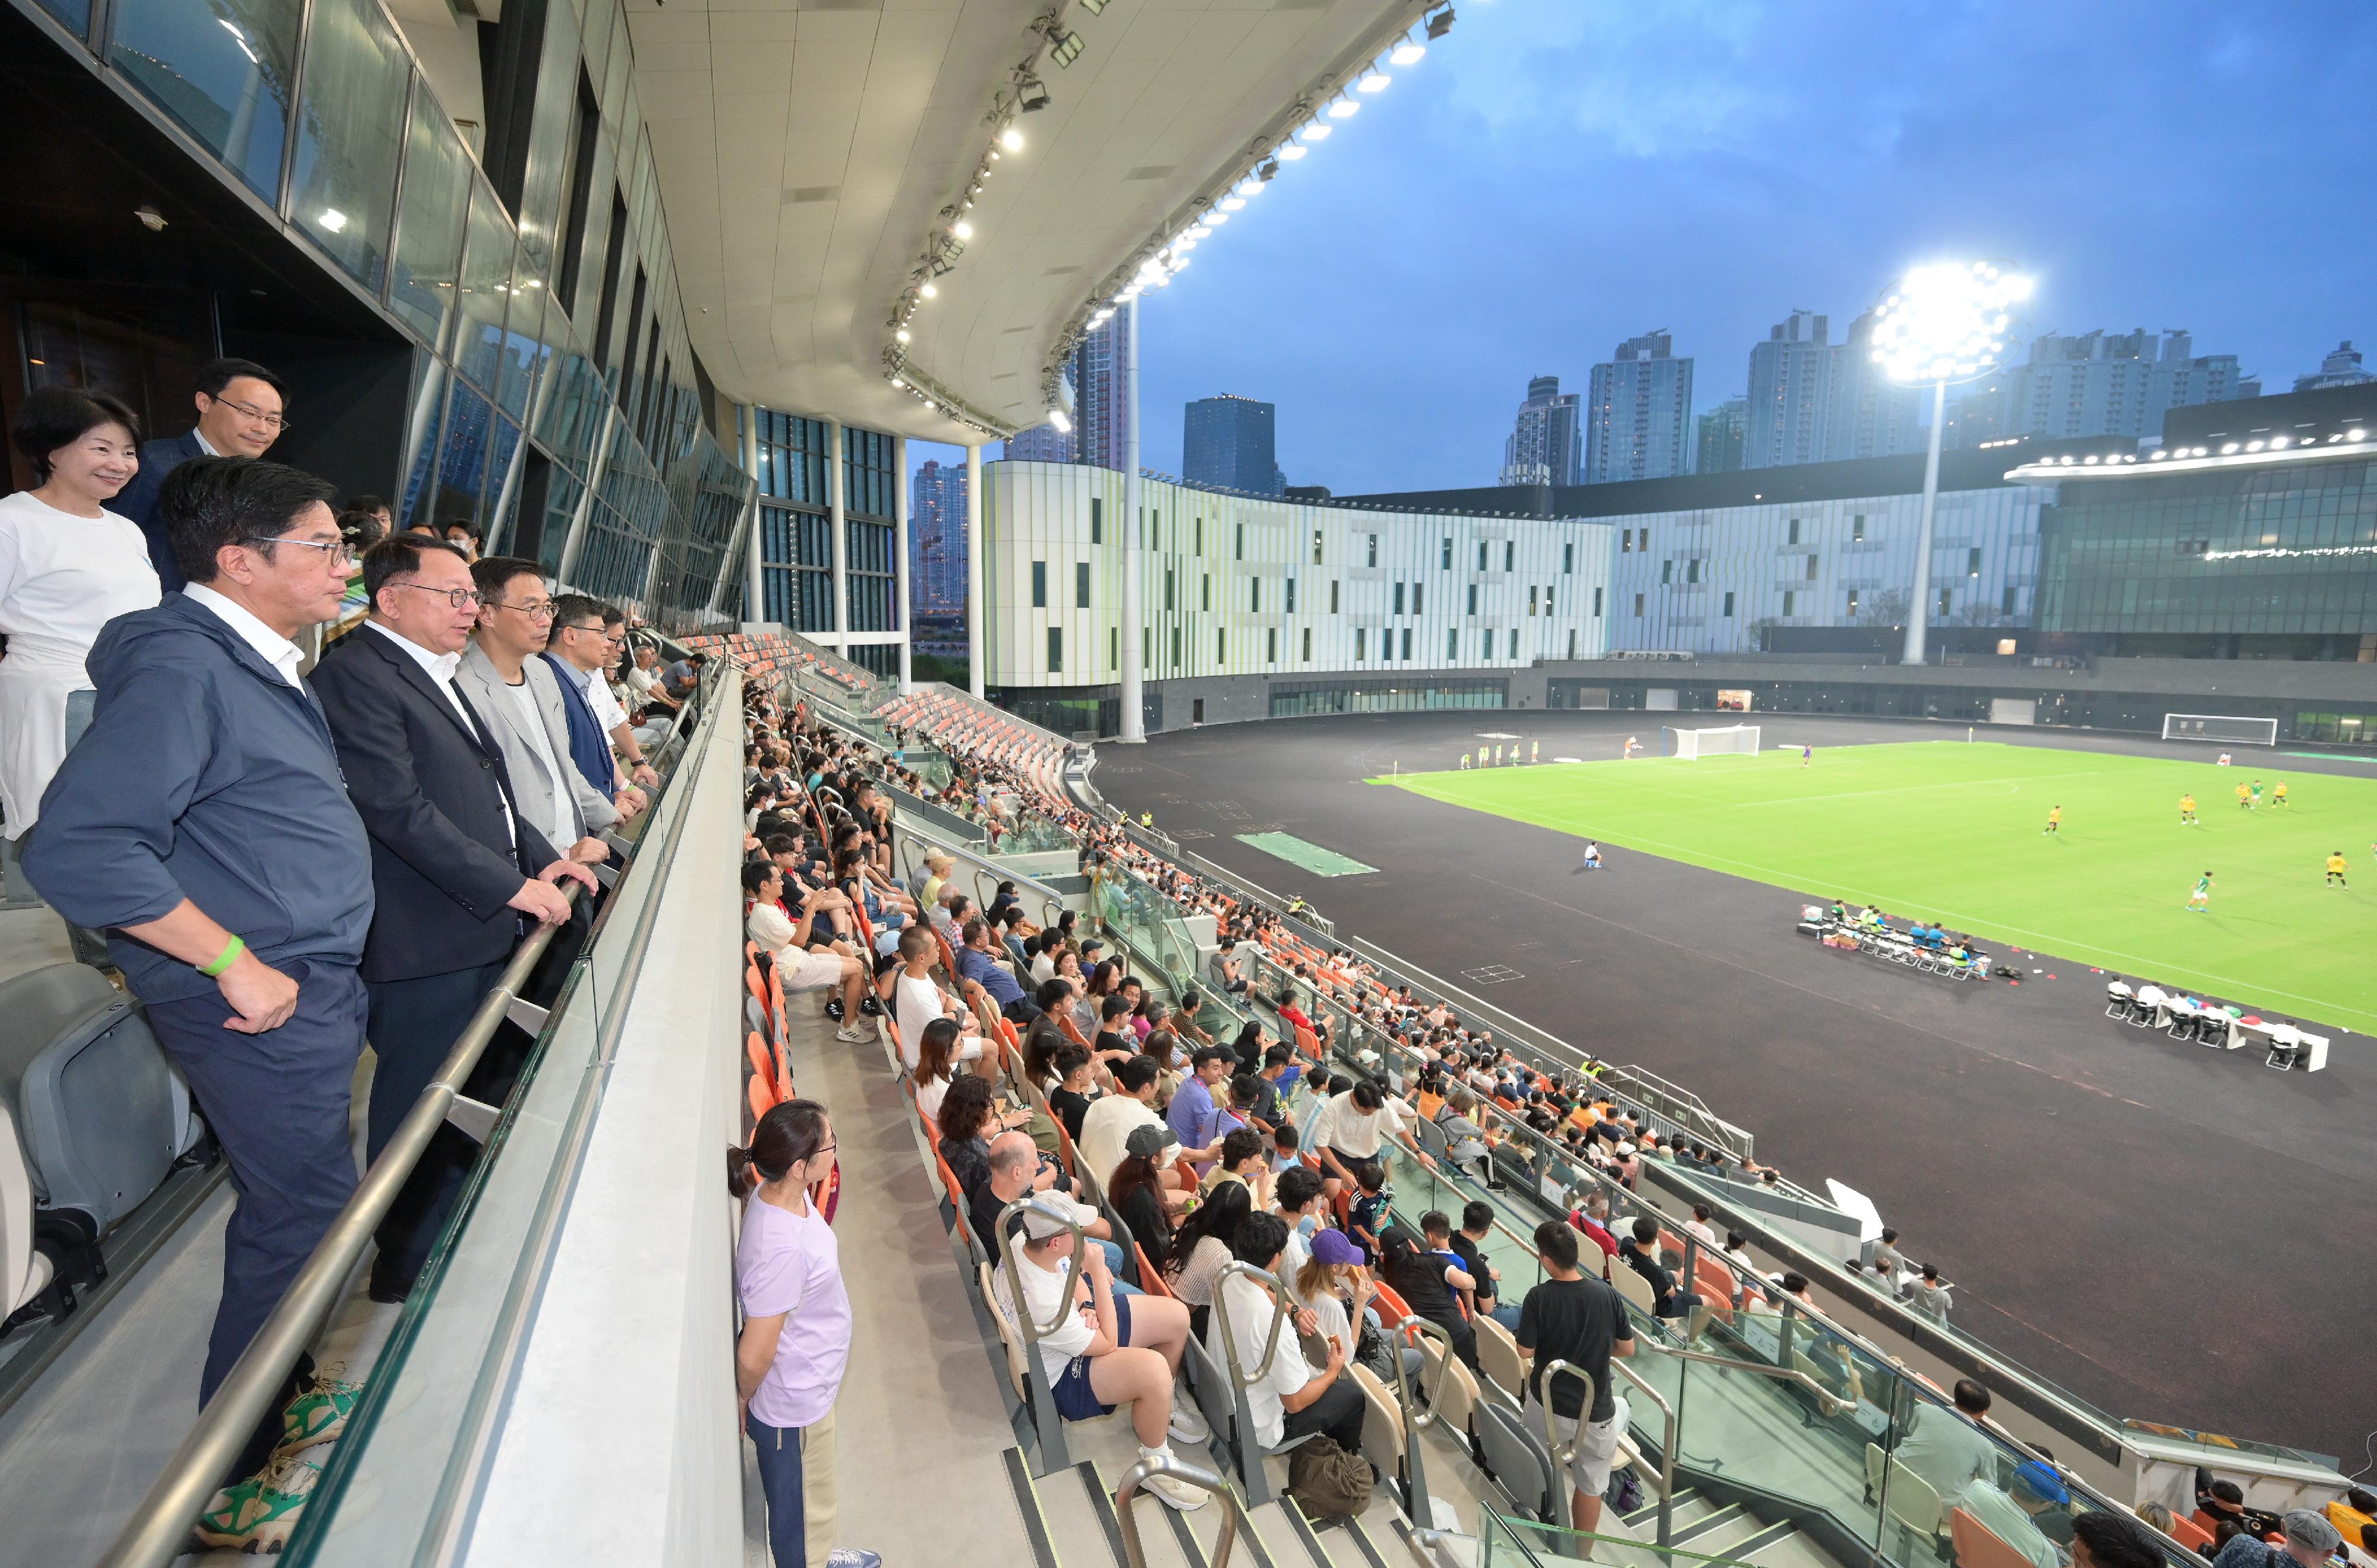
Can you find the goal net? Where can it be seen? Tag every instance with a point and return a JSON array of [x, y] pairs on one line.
[[1731, 740], [2221, 728]]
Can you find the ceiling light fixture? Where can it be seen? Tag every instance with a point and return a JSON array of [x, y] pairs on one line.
[[1012, 139], [1064, 48], [1319, 131], [1266, 171], [1030, 95], [1375, 81], [1343, 109], [902, 335], [1062, 421], [928, 290], [963, 231], [1290, 153], [1231, 204], [1407, 53], [1440, 24]]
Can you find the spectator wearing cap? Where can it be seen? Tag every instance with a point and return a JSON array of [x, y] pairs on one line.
[[1107, 1350], [2017, 1515], [1016, 1170], [1195, 1113], [1140, 1190], [2309, 1541]]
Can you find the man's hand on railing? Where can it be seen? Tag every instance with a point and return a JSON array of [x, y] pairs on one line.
[[589, 851]]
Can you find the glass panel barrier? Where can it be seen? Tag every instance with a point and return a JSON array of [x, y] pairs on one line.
[[348, 124], [423, 284], [222, 70], [1509, 1543]]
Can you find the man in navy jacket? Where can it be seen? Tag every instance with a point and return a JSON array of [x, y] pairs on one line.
[[459, 872], [240, 405], [203, 819]]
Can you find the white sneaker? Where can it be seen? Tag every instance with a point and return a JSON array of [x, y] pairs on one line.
[[853, 1036], [1178, 1493], [1187, 1426]]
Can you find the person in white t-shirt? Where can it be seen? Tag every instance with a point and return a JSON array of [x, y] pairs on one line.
[[783, 938], [917, 1001], [1104, 1349], [1353, 1127], [1287, 1397], [68, 566]]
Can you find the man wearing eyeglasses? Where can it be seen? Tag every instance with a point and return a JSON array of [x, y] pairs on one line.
[[204, 820], [586, 640], [240, 405], [520, 697], [458, 870]]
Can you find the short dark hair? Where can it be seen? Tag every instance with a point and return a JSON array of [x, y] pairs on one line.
[[1136, 1074], [52, 416], [1242, 1144], [493, 573], [1298, 1186], [1260, 1239], [572, 607], [1972, 1399], [210, 502], [369, 503], [397, 555], [470, 529], [1071, 1058], [1645, 1229], [2117, 1539], [1053, 989], [1435, 1223], [1555, 1240], [216, 375], [1477, 1215], [1366, 1095]]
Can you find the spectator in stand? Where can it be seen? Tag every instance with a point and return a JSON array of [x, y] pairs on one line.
[[1429, 1286], [1698, 1225], [1355, 1124], [1229, 967], [239, 406], [1245, 1159], [69, 566], [969, 1119], [1285, 1397], [1947, 1448], [2013, 1515], [519, 697], [1299, 1208], [1929, 1294], [795, 1341], [1583, 1321], [1142, 1194], [1201, 1246], [2309, 1540], [612, 757], [2107, 1537], [1317, 1087], [1187, 1021], [1016, 1168], [1194, 1114], [1887, 1258], [1469, 1245], [1639, 1250], [466, 537], [1465, 1142], [2352, 1513], [937, 1065], [1076, 1089], [793, 945], [208, 767], [1111, 1350], [916, 1000], [1590, 1216], [1365, 1216], [1109, 1124], [981, 972]]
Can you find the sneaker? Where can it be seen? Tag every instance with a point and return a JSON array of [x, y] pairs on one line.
[[320, 1414], [835, 1009], [871, 1004], [853, 1036], [1178, 1494], [260, 1513], [851, 1557], [1187, 1426]]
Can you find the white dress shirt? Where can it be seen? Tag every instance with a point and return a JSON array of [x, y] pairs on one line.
[[440, 667], [270, 646], [608, 713], [564, 829]]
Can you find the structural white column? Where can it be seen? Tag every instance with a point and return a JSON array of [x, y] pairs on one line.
[[755, 602], [1920, 612], [1134, 529], [841, 536], [978, 632], [903, 590]]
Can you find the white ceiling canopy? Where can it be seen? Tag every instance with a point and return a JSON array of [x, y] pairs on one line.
[[807, 150]]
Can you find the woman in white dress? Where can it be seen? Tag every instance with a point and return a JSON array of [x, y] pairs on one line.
[[68, 566]]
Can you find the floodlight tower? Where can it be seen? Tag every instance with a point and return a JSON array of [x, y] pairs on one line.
[[1940, 324]]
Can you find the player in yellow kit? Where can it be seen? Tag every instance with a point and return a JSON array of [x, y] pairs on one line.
[[2187, 812], [2278, 793], [2245, 796], [2054, 820], [2335, 869]]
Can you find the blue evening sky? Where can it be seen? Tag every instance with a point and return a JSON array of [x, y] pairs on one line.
[[1559, 175]]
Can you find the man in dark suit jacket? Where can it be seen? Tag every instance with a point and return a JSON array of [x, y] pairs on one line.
[[240, 404], [456, 872]]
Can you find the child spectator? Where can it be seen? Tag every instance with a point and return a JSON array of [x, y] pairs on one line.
[[1366, 1216]]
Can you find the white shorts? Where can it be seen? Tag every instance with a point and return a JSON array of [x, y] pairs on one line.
[[1597, 1452], [809, 971]]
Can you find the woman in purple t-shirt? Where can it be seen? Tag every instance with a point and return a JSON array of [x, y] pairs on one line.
[[796, 1340]]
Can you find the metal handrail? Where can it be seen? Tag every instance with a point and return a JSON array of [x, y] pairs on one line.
[[1554, 1368], [1168, 1463], [159, 1527], [1279, 1296], [1417, 1420], [1833, 1405], [1667, 1445]]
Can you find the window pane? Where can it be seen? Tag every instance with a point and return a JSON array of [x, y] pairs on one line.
[[220, 69], [462, 463], [487, 287], [347, 130], [429, 242], [421, 441]]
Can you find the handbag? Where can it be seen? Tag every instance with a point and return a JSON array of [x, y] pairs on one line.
[[1327, 1482]]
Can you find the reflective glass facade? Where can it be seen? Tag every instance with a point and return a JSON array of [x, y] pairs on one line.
[[554, 401], [2287, 550]]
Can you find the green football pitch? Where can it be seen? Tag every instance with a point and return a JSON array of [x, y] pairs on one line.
[[1953, 833]]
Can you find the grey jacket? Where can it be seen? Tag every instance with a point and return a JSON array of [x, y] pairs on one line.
[[533, 784]]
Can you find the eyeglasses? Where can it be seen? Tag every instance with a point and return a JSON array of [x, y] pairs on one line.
[[341, 554], [460, 599], [271, 421], [535, 609], [590, 626]]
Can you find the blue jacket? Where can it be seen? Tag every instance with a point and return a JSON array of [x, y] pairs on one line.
[[137, 500], [203, 775], [589, 749]]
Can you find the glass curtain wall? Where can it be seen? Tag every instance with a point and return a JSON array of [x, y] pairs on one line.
[[570, 428]]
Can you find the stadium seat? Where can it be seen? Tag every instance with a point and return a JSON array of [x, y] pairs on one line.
[[1910, 1498], [27, 1270], [1976, 1545]]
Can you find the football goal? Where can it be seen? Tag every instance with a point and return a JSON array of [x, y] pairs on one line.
[[2220, 729], [1731, 740]]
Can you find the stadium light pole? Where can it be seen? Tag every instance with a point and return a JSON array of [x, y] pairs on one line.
[[1941, 324]]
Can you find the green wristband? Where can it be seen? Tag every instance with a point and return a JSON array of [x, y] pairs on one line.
[[224, 959]]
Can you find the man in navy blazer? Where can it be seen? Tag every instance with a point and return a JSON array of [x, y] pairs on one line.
[[456, 872], [240, 405]]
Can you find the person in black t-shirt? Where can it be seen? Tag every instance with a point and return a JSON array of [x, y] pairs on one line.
[[1638, 1250], [1469, 1246], [1580, 1321], [1076, 1087], [1428, 1283]]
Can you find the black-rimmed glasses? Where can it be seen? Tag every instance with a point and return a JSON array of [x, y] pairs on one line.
[[342, 556]]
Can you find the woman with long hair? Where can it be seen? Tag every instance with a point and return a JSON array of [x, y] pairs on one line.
[[1201, 1247], [937, 1065], [1139, 1193], [1429, 1285], [795, 1341]]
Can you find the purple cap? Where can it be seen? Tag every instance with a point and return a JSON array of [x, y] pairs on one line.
[[1334, 1247]]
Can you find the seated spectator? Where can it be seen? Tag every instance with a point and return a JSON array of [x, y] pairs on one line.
[[1428, 1283], [1113, 1041], [2107, 1537], [1366, 1218], [2013, 1515], [1354, 1126], [1698, 1225], [916, 1002], [1243, 1159], [937, 1065], [1142, 1192], [2308, 1541], [1076, 1089], [1108, 1123], [1638, 1252], [1187, 1021], [1194, 1114], [1017, 1167], [1298, 1205], [1201, 1246], [1947, 1448], [1286, 1399], [800, 965], [1469, 1245], [969, 1119], [982, 974], [1110, 1350], [1590, 1215], [1284, 1155], [1465, 1142]]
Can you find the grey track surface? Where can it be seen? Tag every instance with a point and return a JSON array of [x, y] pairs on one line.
[[2171, 1232]]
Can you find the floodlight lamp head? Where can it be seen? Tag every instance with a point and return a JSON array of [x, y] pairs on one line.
[[1062, 421], [1012, 139], [1946, 321], [1030, 95], [1064, 48], [1440, 24]]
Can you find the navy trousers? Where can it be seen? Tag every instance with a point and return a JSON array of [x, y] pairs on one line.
[[278, 1103], [413, 1024]]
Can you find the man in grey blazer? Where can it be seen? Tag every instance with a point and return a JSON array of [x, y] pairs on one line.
[[520, 697]]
